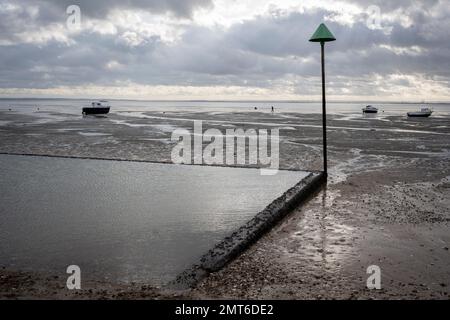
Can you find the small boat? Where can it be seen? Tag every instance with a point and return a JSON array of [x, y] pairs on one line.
[[99, 107], [424, 113], [370, 109]]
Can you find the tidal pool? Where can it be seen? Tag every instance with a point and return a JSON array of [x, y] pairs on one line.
[[123, 221]]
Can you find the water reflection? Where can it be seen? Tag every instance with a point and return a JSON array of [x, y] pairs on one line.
[[323, 238], [122, 220], [323, 226]]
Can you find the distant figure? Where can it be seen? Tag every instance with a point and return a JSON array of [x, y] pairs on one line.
[[256, 108], [272, 109]]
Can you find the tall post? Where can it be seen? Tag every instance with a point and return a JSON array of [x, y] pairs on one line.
[[324, 111], [323, 35]]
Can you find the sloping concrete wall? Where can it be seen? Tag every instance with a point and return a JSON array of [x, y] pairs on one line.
[[233, 245]]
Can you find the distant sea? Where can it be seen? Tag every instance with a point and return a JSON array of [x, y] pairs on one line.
[[73, 106]]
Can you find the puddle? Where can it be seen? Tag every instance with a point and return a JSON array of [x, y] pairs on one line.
[[94, 134], [158, 127]]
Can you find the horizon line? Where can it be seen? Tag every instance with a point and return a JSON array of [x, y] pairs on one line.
[[229, 101]]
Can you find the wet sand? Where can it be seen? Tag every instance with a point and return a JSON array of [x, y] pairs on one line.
[[387, 203]]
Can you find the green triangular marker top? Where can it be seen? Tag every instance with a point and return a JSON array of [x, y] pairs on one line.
[[322, 34]]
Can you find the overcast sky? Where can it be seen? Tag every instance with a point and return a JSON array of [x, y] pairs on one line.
[[225, 49]]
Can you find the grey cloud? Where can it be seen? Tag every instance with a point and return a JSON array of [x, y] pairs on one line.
[[259, 52], [99, 8], [23, 18], [387, 6]]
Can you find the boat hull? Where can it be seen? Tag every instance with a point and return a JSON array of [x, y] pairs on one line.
[[418, 115], [370, 111], [99, 110]]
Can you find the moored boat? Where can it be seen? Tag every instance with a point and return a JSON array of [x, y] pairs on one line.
[[370, 109], [99, 107], [423, 113]]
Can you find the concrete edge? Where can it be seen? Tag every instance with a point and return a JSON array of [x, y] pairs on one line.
[[45, 155], [241, 239]]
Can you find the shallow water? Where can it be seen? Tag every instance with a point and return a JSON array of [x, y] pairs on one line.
[[135, 108], [123, 221]]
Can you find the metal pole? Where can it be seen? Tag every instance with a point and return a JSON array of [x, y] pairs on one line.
[[324, 111]]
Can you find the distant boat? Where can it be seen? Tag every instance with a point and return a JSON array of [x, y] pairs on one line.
[[99, 107], [370, 109], [424, 113]]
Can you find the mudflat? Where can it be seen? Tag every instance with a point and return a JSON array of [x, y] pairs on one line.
[[387, 203]]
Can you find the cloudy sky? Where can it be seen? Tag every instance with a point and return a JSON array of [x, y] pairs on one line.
[[225, 49]]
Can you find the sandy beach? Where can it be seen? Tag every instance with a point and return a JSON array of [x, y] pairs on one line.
[[386, 203]]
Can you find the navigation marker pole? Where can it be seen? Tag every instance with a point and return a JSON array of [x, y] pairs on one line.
[[323, 35]]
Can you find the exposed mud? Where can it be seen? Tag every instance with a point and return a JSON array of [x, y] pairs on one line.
[[387, 203]]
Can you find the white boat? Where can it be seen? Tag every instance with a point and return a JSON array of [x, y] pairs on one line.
[[424, 113], [98, 107], [370, 109]]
